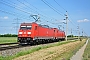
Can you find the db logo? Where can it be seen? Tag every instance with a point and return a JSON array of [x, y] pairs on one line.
[[24, 32]]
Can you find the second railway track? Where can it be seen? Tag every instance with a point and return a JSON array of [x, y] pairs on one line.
[[11, 50], [8, 43]]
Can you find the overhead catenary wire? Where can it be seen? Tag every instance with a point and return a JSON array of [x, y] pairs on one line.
[[17, 8], [59, 5], [52, 8], [30, 8], [8, 4], [13, 7], [10, 13], [45, 15], [27, 6], [18, 14], [13, 13], [22, 11], [65, 10]]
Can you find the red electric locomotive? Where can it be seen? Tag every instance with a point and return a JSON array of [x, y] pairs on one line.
[[30, 33]]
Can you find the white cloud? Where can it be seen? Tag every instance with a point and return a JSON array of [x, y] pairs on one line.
[[84, 20], [4, 18]]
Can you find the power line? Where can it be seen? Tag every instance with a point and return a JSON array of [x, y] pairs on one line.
[[9, 5], [34, 7], [18, 14], [59, 5], [45, 15], [72, 23], [12, 6], [7, 12], [63, 9], [10, 13], [17, 8], [27, 6], [14, 13], [51, 7]]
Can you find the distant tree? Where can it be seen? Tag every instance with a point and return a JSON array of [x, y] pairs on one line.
[[70, 36], [8, 35]]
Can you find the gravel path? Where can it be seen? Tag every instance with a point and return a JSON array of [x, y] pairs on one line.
[[78, 55]]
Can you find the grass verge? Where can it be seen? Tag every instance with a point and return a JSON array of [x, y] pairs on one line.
[[8, 39], [86, 55], [33, 50], [68, 54]]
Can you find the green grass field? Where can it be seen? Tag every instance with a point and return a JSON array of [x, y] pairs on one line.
[[8, 39], [86, 55]]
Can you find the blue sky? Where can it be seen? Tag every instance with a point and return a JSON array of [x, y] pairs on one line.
[[78, 14]]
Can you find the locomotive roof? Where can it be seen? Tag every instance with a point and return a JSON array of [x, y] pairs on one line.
[[46, 26], [27, 23]]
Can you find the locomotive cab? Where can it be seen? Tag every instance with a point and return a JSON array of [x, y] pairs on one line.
[[25, 34]]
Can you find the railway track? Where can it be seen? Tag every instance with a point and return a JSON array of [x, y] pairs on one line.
[[12, 49], [8, 43], [72, 38], [17, 43], [6, 46]]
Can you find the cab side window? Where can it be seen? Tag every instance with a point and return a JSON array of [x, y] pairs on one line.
[[54, 30], [35, 27]]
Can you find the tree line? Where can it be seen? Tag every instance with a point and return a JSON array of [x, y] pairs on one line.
[[15, 35], [8, 35]]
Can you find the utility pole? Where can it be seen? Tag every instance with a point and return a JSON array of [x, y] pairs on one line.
[[66, 25], [82, 32], [78, 31], [71, 32], [63, 28], [17, 22]]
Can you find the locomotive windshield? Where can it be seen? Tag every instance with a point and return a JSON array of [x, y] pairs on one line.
[[28, 27], [25, 27]]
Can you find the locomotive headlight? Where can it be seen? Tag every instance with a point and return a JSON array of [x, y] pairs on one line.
[[29, 32], [20, 32]]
